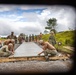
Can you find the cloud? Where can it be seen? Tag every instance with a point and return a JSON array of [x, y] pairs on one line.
[[6, 7], [34, 21], [8, 25], [5, 28], [31, 16]]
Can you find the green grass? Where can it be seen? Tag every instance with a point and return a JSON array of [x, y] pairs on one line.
[[60, 48], [45, 37], [66, 38], [2, 39]]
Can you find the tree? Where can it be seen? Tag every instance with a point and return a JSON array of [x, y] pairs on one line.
[[45, 31], [51, 24], [70, 29]]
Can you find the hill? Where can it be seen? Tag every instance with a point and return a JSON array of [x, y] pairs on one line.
[[66, 37]]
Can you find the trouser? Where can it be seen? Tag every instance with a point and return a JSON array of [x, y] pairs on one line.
[[0, 46], [52, 42], [51, 52], [5, 54]]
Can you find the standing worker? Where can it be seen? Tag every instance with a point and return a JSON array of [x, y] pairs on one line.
[[52, 38], [26, 38], [29, 38], [12, 36], [40, 36], [32, 37], [21, 38], [36, 38]]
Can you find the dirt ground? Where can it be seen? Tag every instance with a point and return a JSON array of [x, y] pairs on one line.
[[58, 66]]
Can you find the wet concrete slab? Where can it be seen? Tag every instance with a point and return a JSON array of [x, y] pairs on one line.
[[27, 49], [16, 46]]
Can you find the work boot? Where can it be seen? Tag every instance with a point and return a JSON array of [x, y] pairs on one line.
[[47, 58]]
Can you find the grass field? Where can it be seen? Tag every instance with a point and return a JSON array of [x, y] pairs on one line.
[[66, 37]]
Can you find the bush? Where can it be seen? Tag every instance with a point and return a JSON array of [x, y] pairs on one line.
[[67, 41]]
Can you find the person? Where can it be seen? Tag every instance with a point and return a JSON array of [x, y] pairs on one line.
[[10, 43], [32, 37], [47, 49], [12, 36], [40, 36], [29, 38], [7, 49], [26, 38], [21, 38], [36, 38], [0, 44], [52, 38]]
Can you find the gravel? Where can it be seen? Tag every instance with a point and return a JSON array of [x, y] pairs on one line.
[[35, 67]]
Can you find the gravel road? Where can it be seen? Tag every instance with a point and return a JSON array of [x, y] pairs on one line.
[[36, 66]]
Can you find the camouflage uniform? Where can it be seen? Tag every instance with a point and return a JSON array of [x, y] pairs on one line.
[[32, 37], [52, 40], [0, 44], [4, 52], [29, 38], [21, 38], [36, 38], [40, 36], [51, 52], [26, 38], [12, 37]]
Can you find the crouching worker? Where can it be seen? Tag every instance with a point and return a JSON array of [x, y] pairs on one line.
[[5, 50], [11, 44], [47, 49]]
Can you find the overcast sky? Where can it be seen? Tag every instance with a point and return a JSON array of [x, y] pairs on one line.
[[32, 19]]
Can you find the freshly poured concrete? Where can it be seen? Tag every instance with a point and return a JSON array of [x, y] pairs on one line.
[[27, 49]]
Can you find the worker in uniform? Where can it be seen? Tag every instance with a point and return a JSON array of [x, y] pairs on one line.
[[52, 38], [7, 49], [29, 38], [47, 49], [26, 38], [12, 36], [40, 36], [32, 37]]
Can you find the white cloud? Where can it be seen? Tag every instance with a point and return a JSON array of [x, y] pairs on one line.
[[35, 22], [31, 16], [26, 7], [19, 27]]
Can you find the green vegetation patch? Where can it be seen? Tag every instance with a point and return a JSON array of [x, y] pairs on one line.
[[67, 38]]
